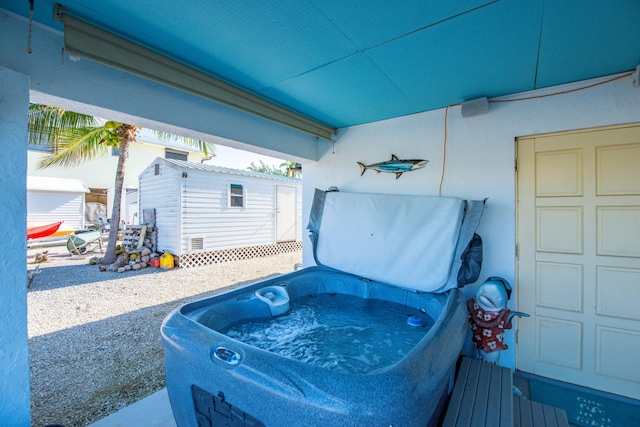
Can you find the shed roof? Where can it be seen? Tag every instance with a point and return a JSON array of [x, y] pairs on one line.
[[181, 164], [63, 185]]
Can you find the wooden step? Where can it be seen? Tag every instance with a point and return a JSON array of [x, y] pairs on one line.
[[482, 396], [533, 414]]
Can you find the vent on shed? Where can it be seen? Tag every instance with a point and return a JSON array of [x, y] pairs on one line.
[[197, 243], [175, 154], [156, 169]]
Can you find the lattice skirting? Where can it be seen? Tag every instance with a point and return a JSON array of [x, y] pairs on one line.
[[205, 258]]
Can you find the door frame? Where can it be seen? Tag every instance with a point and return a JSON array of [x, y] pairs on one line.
[[526, 219]]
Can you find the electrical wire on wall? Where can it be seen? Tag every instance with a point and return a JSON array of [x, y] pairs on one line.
[[565, 91], [444, 149], [31, 5], [446, 113]]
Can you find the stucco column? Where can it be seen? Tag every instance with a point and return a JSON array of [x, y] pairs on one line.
[[14, 346]]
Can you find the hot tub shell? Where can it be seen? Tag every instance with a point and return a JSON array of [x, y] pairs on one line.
[[213, 379]]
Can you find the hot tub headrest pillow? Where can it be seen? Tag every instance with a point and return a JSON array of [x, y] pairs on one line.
[[413, 242]]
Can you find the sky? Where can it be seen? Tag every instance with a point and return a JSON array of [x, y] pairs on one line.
[[238, 159]]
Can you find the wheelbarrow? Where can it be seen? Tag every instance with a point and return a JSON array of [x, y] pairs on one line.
[[80, 243]]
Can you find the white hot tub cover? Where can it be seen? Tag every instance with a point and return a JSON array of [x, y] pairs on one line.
[[417, 242]]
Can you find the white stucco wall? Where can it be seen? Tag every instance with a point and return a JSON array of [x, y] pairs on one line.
[[480, 159], [14, 350]]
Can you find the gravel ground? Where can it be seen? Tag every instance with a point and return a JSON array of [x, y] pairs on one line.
[[94, 337]]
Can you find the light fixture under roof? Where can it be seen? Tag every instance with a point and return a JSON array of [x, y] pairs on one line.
[[474, 107]]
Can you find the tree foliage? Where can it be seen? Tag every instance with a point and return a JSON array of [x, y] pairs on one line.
[[290, 169], [265, 168]]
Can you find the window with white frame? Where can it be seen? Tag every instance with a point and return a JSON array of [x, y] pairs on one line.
[[236, 196]]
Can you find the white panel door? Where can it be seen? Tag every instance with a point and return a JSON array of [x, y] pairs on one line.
[[579, 258], [285, 213]]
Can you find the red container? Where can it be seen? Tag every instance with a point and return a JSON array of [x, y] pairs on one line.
[[154, 262]]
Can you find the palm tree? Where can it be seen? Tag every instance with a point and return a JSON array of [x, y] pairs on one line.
[[264, 168], [77, 138], [291, 169]]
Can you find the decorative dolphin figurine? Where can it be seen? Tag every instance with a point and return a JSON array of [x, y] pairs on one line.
[[394, 165], [490, 317]]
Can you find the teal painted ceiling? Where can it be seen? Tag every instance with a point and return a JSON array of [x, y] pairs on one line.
[[351, 62]]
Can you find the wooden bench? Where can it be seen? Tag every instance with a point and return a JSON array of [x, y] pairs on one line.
[[483, 396], [529, 414]]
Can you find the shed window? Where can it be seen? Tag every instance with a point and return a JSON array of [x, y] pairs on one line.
[[236, 196]]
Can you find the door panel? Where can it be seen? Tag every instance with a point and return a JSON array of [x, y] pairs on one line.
[[579, 258], [613, 286], [617, 170], [559, 173], [559, 229], [559, 286]]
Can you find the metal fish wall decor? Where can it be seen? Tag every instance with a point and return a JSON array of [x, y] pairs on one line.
[[394, 165]]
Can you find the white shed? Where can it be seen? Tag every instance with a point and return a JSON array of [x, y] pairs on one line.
[[51, 200], [207, 213]]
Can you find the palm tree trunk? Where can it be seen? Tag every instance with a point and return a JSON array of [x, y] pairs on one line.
[[128, 134]]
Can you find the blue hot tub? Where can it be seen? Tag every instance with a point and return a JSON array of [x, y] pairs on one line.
[[227, 358]]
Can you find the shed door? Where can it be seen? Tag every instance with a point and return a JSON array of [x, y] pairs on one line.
[[285, 213], [579, 258]]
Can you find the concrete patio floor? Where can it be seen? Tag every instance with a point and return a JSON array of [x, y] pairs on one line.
[[152, 411], [155, 410]]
